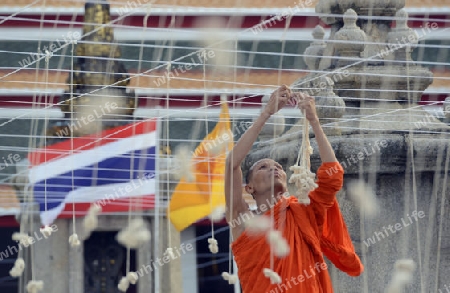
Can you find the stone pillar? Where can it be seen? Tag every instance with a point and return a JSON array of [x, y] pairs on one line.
[[51, 257]]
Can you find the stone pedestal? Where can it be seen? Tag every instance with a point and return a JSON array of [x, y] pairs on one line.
[[53, 262]]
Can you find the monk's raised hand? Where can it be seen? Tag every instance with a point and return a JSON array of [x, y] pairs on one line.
[[307, 104], [278, 99]]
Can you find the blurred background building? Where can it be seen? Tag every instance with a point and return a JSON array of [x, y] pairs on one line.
[[147, 37]]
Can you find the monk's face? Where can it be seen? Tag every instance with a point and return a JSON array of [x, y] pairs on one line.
[[265, 174]]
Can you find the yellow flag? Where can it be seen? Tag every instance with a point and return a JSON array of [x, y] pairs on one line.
[[192, 201]]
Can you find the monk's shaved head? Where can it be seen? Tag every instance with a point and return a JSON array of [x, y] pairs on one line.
[[249, 174]]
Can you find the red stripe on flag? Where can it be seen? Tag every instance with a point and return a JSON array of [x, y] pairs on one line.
[[63, 149]]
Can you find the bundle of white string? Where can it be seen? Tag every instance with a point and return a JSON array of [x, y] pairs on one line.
[[19, 266], [278, 243], [134, 235], [258, 225], [124, 284], [73, 240], [132, 277], [403, 275], [169, 252], [213, 246], [23, 238], [90, 222], [302, 177], [304, 180], [46, 231], [273, 276], [217, 213], [35, 286], [232, 279], [185, 164]]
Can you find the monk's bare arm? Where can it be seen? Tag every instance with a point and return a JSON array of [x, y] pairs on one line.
[[307, 104], [235, 203], [233, 172]]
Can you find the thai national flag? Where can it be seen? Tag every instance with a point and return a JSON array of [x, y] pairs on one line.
[[114, 169]]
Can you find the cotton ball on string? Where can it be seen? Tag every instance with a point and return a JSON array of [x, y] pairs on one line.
[[94, 109], [74, 241], [258, 225], [35, 286], [123, 284], [213, 246], [219, 145], [217, 213], [184, 160], [19, 266], [169, 252], [364, 197], [304, 180], [231, 278], [134, 235], [403, 275], [273, 276], [46, 231], [90, 222], [278, 243], [213, 40], [23, 238], [132, 277]]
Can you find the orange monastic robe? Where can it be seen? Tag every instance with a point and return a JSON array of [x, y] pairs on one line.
[[311, 231]]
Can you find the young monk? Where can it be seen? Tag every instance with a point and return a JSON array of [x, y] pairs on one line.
[[311, 231]]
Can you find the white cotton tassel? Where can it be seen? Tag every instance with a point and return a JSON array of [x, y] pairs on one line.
[[304, 180], [90, 222], [46, 231], [169, 252], [232, 279], [132, 277], [73, 240], [216, 41], [19, 266], [123, 284], [278, 243], [217, 214], [213, 246], [273, 276], [403, 275], [135, 235], [258, 225], [364, 198], [23, 238], [219, 145], [35, 286], [184, 161]]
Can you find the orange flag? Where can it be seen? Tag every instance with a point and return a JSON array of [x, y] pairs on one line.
[[192, 201]]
